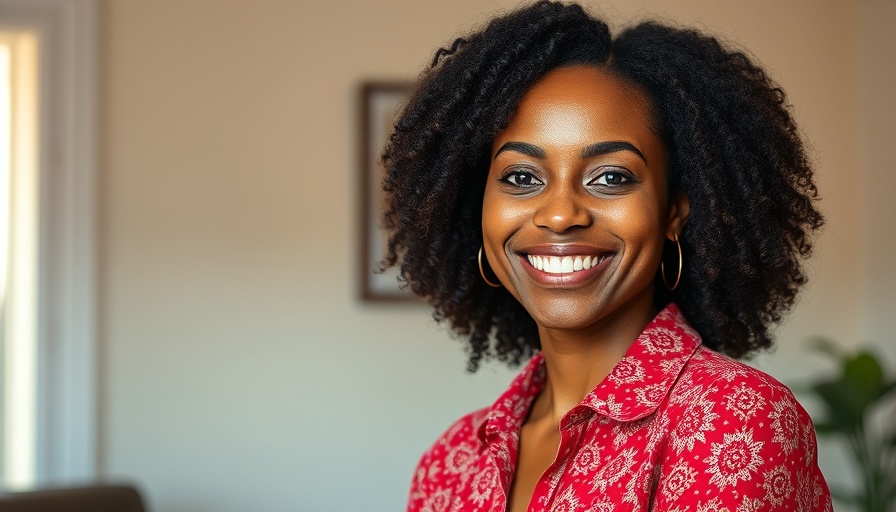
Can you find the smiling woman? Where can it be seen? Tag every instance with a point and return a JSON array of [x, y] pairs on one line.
[[623, 211]]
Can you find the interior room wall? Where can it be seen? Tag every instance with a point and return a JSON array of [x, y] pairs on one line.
[[240, 371], [876, 144]]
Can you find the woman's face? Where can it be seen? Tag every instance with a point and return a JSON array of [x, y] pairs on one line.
[[576, 207]]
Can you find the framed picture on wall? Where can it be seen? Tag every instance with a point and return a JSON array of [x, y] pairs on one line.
[[380, 102]]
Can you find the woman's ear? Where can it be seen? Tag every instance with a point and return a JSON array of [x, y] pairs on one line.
[[679, 210]]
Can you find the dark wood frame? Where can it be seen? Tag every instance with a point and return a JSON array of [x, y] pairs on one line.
[[374, 124]]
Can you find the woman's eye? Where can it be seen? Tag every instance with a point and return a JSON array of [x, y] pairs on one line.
[[522, 179], [610, 179]]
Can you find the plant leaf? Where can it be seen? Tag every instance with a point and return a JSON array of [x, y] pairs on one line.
[[864, 370], [863, 380], [842, 407]]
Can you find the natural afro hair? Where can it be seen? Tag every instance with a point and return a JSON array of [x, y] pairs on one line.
[[734, 151]]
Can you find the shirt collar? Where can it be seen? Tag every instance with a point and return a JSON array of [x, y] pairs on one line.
[[648, 370], [512, 407], [635, 387]]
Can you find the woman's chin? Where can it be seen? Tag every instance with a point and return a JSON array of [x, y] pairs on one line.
[[573, 312], [566, 315]]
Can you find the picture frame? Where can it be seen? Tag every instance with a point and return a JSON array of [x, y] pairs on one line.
[[379, 108]]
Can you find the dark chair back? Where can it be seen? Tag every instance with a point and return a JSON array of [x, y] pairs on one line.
[[97, 498]]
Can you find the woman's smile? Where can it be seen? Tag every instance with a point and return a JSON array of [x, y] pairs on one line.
[[564, 265]]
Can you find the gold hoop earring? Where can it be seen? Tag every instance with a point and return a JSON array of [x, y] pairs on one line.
[[482, 272], [680, 265]]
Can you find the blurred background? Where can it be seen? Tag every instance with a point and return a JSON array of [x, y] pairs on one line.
[[237, 369]]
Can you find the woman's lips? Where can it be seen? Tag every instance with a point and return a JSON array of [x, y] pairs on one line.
[[566, 270]]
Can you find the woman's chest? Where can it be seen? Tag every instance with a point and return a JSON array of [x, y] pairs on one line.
[[597, 465]]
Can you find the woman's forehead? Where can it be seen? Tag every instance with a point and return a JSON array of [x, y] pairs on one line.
[[580, 105]]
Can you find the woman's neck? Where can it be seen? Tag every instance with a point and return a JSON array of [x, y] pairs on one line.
[[577, 361]]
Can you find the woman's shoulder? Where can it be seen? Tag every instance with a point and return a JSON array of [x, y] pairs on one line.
[[708, 368], [741, 436], [719, 396], [460, 438], [444, 466]]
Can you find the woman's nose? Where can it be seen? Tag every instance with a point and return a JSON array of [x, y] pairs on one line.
[[561, 212]]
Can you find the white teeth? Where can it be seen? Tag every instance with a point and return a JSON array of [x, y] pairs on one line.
[[564, 264], [550, 263]]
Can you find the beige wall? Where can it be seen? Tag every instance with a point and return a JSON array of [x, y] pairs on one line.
[[239, 371], [876, 146]]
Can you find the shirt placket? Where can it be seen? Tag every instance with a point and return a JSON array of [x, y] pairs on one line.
[[572, 428], [502, 448]]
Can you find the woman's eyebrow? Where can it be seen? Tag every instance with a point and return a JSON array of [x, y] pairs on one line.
[[611, 146], [524, 148]]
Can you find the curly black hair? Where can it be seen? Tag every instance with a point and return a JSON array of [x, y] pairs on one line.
[[734, 151]]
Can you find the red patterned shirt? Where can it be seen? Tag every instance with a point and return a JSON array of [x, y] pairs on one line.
[[675, 426]]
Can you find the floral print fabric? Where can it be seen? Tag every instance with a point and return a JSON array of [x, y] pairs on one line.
[[674, 427]]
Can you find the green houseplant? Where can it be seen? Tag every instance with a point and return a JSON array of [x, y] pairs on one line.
[[851, 400]]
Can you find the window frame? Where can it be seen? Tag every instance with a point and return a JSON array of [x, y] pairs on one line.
[[67, 352]]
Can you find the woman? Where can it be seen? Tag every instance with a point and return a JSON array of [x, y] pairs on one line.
[[623, 212]]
